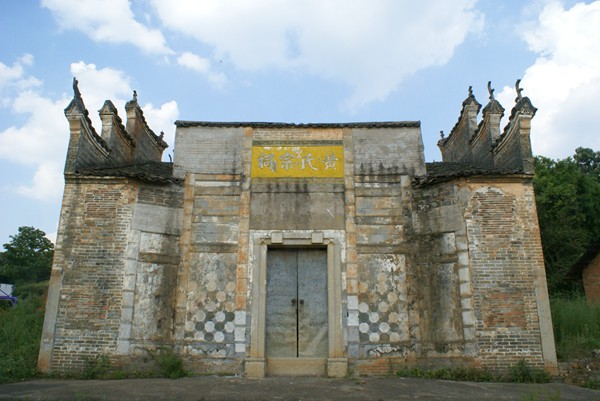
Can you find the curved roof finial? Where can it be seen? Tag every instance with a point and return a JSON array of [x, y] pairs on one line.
[[490, 90], [442, 134], [470, 91], [519, 90], [76, 92], [134, 95]]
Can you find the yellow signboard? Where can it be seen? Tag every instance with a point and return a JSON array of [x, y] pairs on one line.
[[297, 161]]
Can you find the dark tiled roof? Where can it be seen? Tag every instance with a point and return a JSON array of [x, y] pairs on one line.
[[384, 124], [156, 172], [444, 171]]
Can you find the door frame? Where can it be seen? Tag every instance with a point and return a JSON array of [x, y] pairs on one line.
[[335, 365]]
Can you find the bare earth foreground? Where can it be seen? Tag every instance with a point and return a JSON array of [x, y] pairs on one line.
[[285, 388]]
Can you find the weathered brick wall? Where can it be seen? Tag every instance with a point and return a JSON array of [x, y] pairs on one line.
[[591, 281], [479, 273], [170, 196], [456, 146], [208, 150], [90, 255], [148, 146], [114, 273], [486, 134], [89, 153], [381, 201], [382, 315], [86, 147], [118, 145], [435, 279], [119, 141], [508, 152], [313, 205], [150, 282], [505, 254], [398, 151], [441, 274], [514, 148], [481, 144], [208, 280]]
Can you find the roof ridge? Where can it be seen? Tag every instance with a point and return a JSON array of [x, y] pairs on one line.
[[257, 124]]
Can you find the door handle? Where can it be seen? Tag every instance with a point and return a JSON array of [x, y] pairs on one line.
[[301, 302], [293, 301]]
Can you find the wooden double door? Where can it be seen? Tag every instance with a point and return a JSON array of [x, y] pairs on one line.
[[296, 321]]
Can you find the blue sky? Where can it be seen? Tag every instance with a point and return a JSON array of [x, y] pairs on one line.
[[289, 61]]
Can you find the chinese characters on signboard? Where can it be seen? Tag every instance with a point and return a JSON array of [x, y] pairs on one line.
[[297, 161]]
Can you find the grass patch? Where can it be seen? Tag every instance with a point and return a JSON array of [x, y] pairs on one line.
[[535, 395], [591, 384], [170, 364], [96, 367], [21, 332], [458, 374], [576, 327], [523, 373], [519, 373]]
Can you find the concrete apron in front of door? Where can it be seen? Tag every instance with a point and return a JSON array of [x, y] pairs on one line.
[[296, 338]]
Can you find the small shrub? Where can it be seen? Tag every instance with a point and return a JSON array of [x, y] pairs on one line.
[[594, 384], [473, 375], [523, 373], [118, 375], [95, 367], [520, 373], [459, 374], [410, 372], [171, 365]]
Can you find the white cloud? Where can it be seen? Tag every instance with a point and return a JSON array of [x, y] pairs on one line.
[[47, 183], [109, 21], [15, 74], [370, 46], [42, 140], [52, 236], [202, 66], [162, 119], [564, 81]]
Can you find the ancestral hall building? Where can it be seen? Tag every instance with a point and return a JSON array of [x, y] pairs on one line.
[[315, 249]]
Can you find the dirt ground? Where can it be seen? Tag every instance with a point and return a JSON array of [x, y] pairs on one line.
[[285, 388]]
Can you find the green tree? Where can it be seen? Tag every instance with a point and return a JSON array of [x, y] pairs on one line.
[[568, 203], [27, 257], [588, 162], [3, 279]]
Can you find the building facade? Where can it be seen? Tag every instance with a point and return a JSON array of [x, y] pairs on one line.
[[316, 249]]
